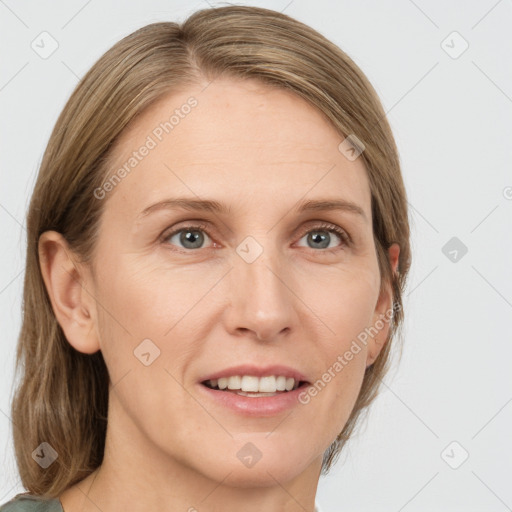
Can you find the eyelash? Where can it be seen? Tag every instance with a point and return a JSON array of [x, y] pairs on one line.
[[331, 228]]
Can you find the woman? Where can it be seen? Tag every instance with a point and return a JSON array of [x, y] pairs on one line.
[[218, 244]]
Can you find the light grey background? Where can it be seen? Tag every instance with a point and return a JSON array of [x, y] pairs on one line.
[[452, 119]]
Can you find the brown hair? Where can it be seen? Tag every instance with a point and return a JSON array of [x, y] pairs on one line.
[[62, 396]]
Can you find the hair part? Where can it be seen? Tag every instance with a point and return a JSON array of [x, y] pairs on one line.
[[62, 396]]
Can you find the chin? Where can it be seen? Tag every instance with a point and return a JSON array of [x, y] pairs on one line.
[[263, 474], [259, 463]]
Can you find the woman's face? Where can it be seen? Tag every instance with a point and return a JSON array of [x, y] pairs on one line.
[[184, 294]]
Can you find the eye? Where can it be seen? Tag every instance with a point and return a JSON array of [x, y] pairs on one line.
[[320, 236], [189, 237], [194, 236]]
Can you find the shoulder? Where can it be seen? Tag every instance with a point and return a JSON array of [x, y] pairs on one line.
[[31, 503]]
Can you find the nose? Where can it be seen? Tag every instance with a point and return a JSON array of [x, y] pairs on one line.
[[262, 301]]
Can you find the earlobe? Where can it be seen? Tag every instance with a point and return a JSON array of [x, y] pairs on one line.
[[383, 312], [65, 283]]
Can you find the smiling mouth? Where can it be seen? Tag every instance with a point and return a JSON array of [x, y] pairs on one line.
[[252, 386]]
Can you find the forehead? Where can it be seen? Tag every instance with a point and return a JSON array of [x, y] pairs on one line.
[[239, 140]]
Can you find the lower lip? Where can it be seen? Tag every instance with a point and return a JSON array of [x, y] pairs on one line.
[[255, 406]]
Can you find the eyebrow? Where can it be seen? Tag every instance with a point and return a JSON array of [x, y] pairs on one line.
[[212, 206]]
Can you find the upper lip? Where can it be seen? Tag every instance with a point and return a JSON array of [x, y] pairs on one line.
[[257, 371]]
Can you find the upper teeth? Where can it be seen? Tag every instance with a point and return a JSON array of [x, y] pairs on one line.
[[269, 384]]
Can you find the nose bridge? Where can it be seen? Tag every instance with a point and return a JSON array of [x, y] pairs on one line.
[[261, 301]]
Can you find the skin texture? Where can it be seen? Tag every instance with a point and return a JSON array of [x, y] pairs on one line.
[[259, 151]]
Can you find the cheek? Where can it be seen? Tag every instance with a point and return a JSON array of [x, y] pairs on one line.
[[140, 301], [345, 303], [135, 315], [148, 299], [344, 300]]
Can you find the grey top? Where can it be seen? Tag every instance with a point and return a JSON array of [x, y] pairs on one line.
[[29, 503]]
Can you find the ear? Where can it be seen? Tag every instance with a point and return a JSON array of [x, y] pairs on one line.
[[68, 289], [383, 312]]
